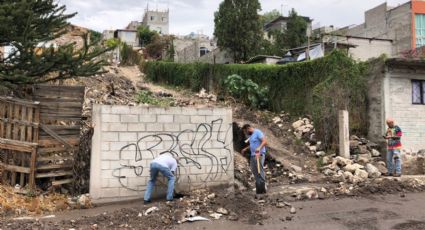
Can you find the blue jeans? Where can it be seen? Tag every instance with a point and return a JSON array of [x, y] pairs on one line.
[[165, 171], [394, 159], [260, 177]]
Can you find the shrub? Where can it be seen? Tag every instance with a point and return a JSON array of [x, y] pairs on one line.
[[320, 87], [247, 91]]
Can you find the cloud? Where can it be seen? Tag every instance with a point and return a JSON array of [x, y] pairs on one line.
[[198, 15]]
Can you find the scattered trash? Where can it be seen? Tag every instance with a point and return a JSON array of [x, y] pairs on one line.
[[151, 210], [197, 218], [216, 215]]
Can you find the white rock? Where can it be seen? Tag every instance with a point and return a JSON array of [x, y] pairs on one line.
[[353, 167], [320, 153], [297, 124], [216, 215], [326, 160], [361, 173], [296, 168], [222, 211], [348, 176], [373, 171], [341, 161], [151, 210], [313, 148], [375, 153], [211, 196], [328, 172], [312, 194], [293, 210]]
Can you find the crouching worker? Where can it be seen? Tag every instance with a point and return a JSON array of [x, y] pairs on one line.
[[167, 165], [257, 147]]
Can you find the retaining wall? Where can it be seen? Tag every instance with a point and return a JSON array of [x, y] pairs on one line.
[[126, 139]]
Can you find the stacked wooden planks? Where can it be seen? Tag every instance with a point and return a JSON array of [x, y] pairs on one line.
[[60, 117], [39, 138]]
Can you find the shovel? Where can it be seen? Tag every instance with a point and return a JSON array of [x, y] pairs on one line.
[[260, 186]]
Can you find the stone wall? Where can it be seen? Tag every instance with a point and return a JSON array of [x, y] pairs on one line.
[[126, 139]]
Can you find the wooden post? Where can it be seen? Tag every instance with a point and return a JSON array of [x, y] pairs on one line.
[[344, 139]]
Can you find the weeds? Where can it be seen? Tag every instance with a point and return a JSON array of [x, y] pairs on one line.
[[147, 97]]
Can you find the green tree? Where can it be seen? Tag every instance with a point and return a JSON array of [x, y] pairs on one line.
[[296, 31], [269, 16], [238, 27], [146, 36], [27, 24]]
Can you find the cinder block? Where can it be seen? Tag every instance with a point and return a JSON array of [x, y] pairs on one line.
[[205, 111], [105, 165], [165, 118], [197, 119], [105, 183], [147, 118], [184, 127], [130, 118], [157, 110], [120, 109], [106, 109], [127, 172], [110, 192], [179, 119], [117, 164], [116, 146], [125, 192], [110, 118], [107, 174], [128, 155], [105, 146], [116, 127], [171, 128], [189, 111], [129, 137], [219, 111], [154, 127], [110, 155], [109, 136], [139, 127], [117, 183]]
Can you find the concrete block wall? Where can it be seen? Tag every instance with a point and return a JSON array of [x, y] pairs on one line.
[[126, 139], [410, 117]]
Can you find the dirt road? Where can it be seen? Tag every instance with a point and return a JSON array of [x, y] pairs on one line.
[[371, 213]]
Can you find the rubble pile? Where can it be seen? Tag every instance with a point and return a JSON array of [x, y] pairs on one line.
[[303, 129], [13, 201], [204, 95], [365, 163]]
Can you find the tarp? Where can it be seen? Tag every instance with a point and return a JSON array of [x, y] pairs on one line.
[[315, 52]]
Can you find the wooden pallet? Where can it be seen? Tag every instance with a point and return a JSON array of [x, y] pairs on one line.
[[39, 137]]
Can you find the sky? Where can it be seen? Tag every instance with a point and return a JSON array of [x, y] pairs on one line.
[[197, 16]]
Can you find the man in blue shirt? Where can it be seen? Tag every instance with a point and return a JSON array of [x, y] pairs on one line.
[[257, 147]]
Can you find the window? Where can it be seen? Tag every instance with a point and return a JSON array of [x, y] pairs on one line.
[[203, 51], [418, 92], [420, 30], [164, 19], [152, 18]]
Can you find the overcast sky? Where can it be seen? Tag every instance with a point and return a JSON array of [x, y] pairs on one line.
[[198, 15]]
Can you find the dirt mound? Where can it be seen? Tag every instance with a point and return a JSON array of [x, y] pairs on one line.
[[201, 202]]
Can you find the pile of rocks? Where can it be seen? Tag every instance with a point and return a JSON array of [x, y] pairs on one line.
[[352, 171], [304, 130], [204, 95], [281, 119]]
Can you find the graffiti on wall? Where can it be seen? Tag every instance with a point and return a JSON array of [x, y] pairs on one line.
[[192, 148]]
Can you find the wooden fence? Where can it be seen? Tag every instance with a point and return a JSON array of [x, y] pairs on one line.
[[39, 137]]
